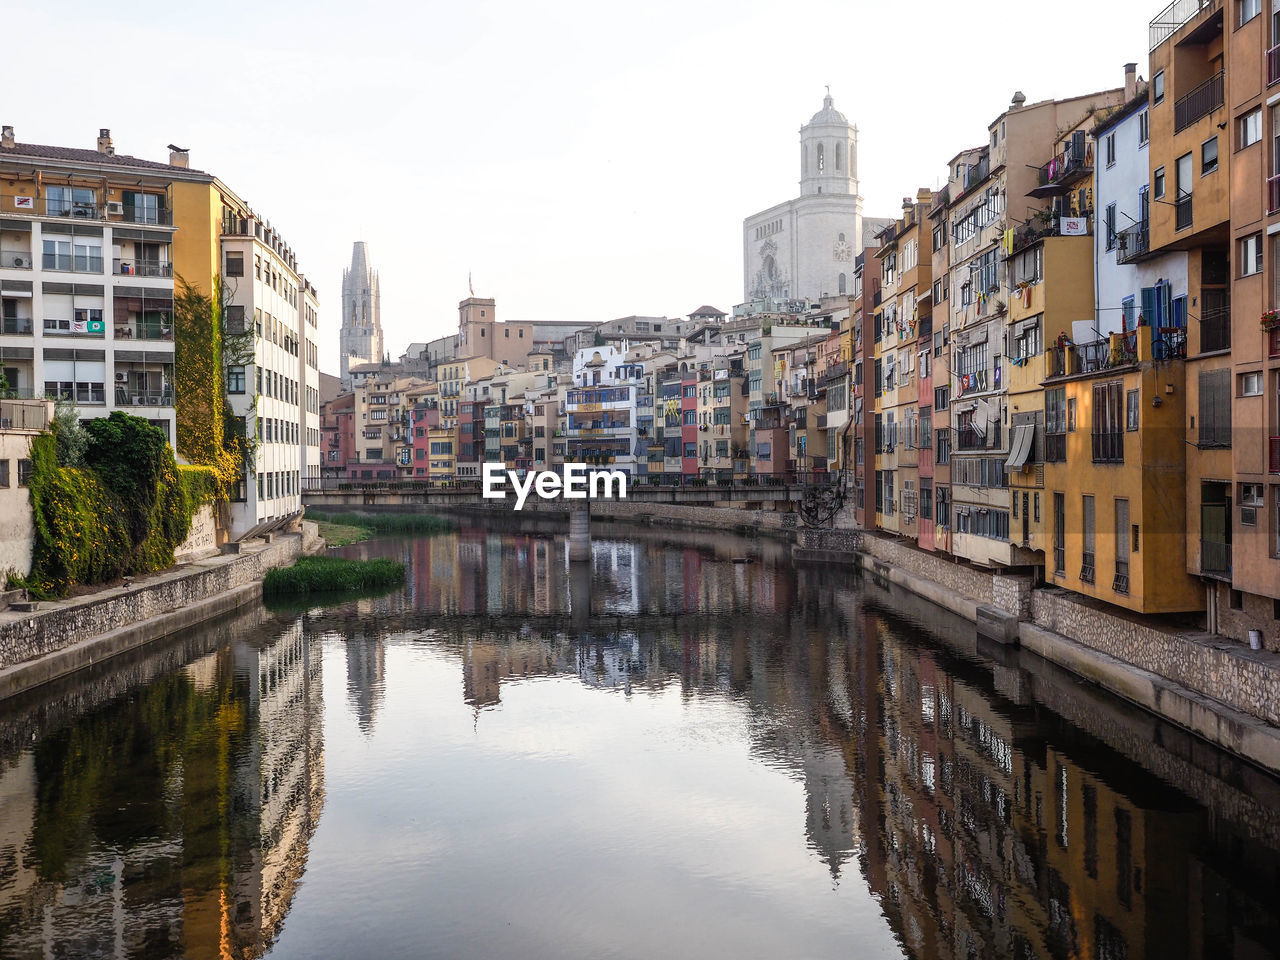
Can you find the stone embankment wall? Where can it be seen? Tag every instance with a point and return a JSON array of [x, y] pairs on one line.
[[1223, 670], [165, 602]]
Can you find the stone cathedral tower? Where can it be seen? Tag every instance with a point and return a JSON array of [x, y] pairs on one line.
[[805, 248], [361, 338]]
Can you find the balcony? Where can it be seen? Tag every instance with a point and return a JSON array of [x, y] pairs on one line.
[[15, 259], [1273, 194], [141, 329], [1273, 455], [1200, 102], [1073, 164], [19, 326], [77, 209], [159, 398], [1168, 20], [1273, 65], [1183, 212], [131, 267], [157, 216], [975, 174], [1273, 342], [1215, 329], [1133, 243], [1215, 559]]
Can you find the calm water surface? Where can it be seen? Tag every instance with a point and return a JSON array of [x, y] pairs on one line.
[[670, 755]]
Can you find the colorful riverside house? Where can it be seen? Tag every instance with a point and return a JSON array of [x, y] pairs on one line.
[[600, 409], [1114, 474], [689, 421], [864, 312], [987, 199], [1050, 273], [933, 526], [906, 278], [722, 410], [1195, 142], [1252, 600]]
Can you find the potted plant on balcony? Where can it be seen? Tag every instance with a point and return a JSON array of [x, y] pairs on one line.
[[1271, 320]]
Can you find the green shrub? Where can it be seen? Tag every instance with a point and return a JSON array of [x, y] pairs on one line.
[[332, 574]]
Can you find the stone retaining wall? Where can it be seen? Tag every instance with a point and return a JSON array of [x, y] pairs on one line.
[[964, 580], [30, 635], [1246, 680]]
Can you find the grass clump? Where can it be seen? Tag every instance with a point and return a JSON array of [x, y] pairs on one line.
[[341, 534], [332, 574], [384, 522]]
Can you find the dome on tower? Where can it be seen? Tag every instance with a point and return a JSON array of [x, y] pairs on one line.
[[828, 113]]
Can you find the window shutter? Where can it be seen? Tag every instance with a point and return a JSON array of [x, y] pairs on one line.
[[1149, 305]]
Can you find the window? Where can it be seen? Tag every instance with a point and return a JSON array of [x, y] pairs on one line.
[[1131, 411], [1028, 268], [941, 396], [1157, 88], [24, 472], [1251, 384], [1250, 494], [235, 264], [235, 379], [1249, 128], [1086, 523], [1120, 583], [1059, 534], [1215, 409], [1144, 127], [1249, 9], [1055, 425], [4, 473], [1157, 183], [1209, 156], [1111, 226], [1110, 143], [1251, 255]]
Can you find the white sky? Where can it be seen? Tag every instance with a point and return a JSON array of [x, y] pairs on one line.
[[584, 160]]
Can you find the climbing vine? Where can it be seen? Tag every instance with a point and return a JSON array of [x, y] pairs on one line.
[[124, 512], [207, 432]]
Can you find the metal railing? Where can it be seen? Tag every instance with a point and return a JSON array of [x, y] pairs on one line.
[[1168, 20], [1108, 447], [1215, 558], [17, 415], [143, 331], [1071, 164], [1215, 329], [16, 259], [131, 267], [162, 216], [126, 398], [1133, 243], [1183, 213], [1273, 65], [20, 326], [63, 207], [1273, 455], [1200, 102], [1087, 567]]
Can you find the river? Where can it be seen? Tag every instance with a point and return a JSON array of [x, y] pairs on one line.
[[693, 748]]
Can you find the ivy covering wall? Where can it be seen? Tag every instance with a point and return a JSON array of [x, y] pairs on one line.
[[124, 512], [207, 433]]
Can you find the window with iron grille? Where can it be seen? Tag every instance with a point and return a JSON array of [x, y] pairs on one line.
[[1086, 524], [1215, 408], [1120, 583]]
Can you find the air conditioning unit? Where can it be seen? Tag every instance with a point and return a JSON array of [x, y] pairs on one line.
[[115, 208], [21, 262], [122, 378]]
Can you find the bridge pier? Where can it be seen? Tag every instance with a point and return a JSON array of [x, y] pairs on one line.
[[580, 531]]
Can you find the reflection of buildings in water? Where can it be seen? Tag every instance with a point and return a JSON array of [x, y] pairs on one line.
[[615, 575], [366, 677], [173, 823], [486, 663], [985, 840]]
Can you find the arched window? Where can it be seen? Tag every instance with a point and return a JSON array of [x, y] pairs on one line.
[[822, 160], [842, 238], [842, 284], [839, 154]]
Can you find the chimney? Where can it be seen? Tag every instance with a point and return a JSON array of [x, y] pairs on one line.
[[104, 142], [924, 195], [6, 136], [1019, 98], [179, 156], [1130, 81]]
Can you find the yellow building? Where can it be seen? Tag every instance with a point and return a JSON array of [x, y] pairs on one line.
[[1114, 474]]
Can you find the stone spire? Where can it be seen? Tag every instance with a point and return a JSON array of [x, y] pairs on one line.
[[361, 338]]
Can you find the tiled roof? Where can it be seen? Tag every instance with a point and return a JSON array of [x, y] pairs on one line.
[[40, 151], [706, 310]]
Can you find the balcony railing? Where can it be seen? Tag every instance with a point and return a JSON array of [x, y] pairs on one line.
[[128, 267], [1168, 20], [1108, 447], [143, 331], [63, 207], [1200, 102], [970, 439], [15, 259], [1273, 455], [1215, 329], [1072, 164], [1183, 213], [126, 398], [1215, 558], [1055, 447], [1273, 65], [20, 326], [1273, 342], [976, 173], [1133, 243], [160, 217], [1087, 567], [1273, 194]]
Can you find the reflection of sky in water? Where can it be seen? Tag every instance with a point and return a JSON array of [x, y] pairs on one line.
[[565, 823]]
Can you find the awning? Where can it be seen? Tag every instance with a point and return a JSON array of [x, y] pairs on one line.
[[1020, 446]]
